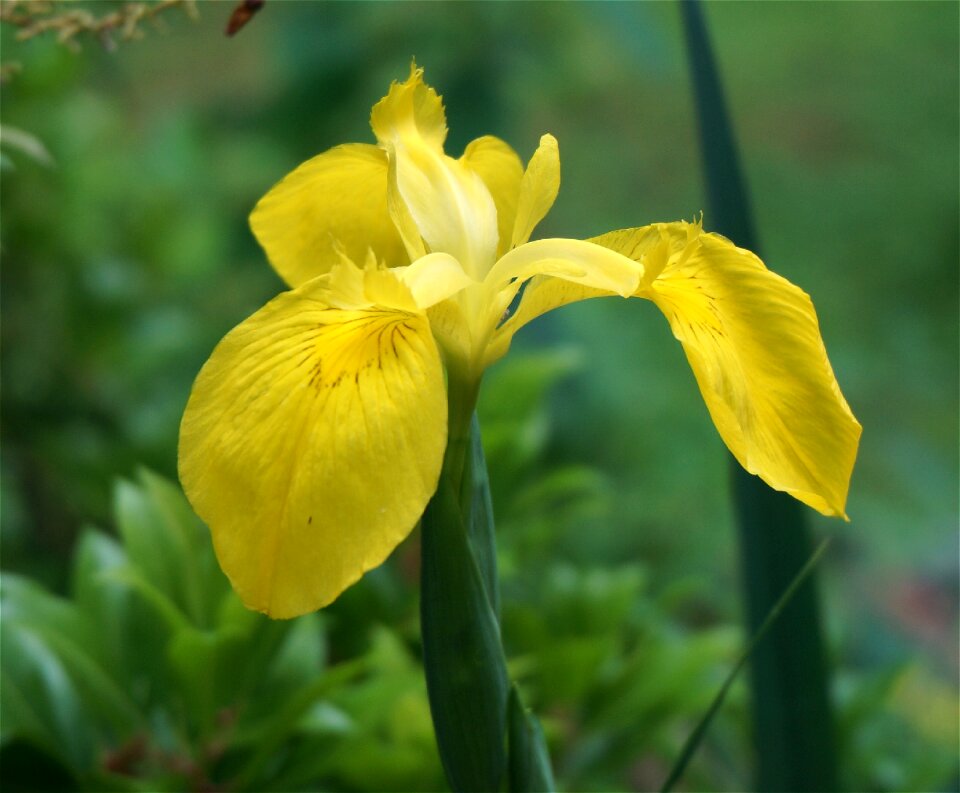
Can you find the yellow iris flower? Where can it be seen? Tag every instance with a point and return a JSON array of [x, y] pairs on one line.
[[315, 434]]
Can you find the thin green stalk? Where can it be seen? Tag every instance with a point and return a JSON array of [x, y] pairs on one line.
[[693, 741]]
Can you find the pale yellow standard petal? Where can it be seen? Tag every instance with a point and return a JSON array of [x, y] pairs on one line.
[[754, 344], [336, 199], [502, 171], [538, 189], [400, 215], [311, 444], [411, 109], [448, 202]]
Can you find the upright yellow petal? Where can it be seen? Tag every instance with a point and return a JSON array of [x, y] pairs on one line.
[[336, 199], [754, 344], [310, 445], [400, 215], [538, 189], [411, 109], [502, 171], [448, 202]]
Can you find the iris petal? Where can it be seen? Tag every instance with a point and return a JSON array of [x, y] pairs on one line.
[[502, 171], [447, 200], [543, 293], [579, 261], [433, 278], [411, 109], [559, 271], [334, 201], [310, 445], [450, 203], [754, 344], [538, 189]]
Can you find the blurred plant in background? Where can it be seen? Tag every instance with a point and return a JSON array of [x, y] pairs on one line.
[[70, 21], [126, 260], [151, 675]]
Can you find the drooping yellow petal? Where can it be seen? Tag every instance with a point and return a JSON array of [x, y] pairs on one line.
[[538, 189], [449, 202], [338, 198], [501, 170], [311, 444], [754, 344]]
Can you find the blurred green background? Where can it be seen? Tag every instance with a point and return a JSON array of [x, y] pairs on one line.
[[128, 257]]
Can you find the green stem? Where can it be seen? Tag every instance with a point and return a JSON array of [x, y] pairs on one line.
[[462, 393], [462, 652], [478, 722]]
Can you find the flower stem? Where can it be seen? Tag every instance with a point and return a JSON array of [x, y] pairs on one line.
[[484, 734], [462, 393]]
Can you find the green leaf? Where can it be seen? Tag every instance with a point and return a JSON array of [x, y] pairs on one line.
[[203, 583], [205, 664], [40, 701], [27, 602], [793, 719], [512, 408], [94, 553], [133, 620], [167, 545], [299, 653], [462, 655], [530, 769], [26, 143], [159, 602], [267, 736], [68, 635]]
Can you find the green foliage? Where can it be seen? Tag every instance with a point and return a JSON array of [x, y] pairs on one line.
[[151, 675], [127, 260], [603, 662]]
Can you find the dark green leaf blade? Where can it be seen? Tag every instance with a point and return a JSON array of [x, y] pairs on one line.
[[793, 721]]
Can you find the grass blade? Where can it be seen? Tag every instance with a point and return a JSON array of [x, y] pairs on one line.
[[793, 721]]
